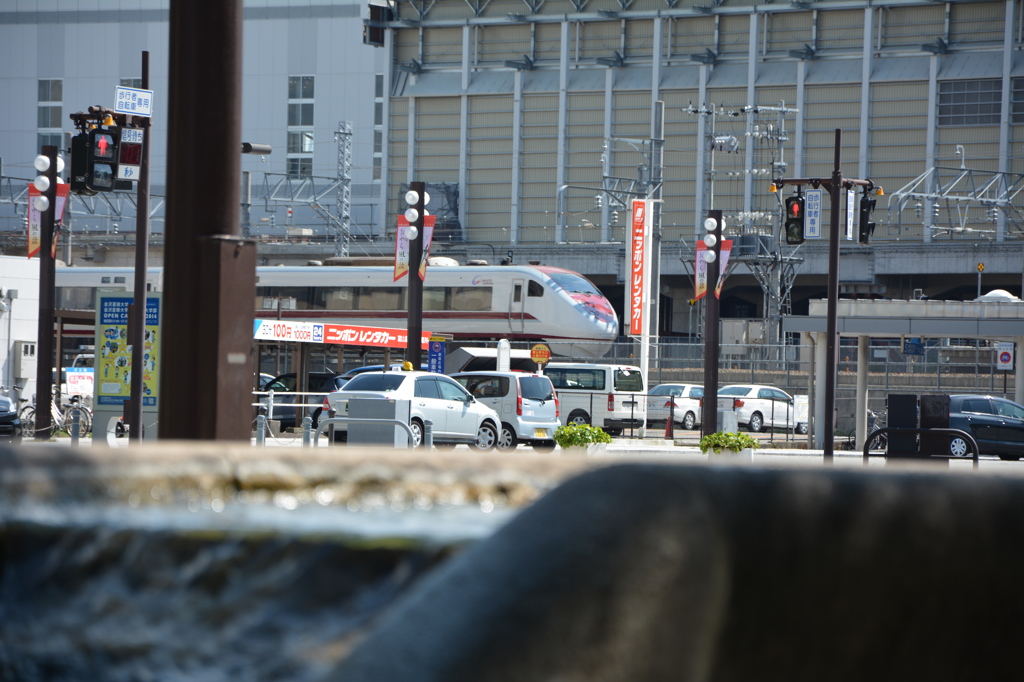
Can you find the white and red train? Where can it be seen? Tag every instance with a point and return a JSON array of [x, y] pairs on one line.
[[470, 302]]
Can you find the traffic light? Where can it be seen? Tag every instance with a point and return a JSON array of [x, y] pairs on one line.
[[80, 165], [102, 155], [867, 228], [795, 220]]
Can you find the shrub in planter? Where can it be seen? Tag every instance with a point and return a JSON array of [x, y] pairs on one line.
[[720, 440], [580, 435]]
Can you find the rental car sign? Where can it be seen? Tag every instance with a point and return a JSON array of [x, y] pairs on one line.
[[342, 334]]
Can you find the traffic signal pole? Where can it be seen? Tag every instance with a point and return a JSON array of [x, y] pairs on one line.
[[835, 184], [137, 320]]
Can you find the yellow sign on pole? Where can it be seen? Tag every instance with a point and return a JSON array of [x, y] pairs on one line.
[[981, 267]]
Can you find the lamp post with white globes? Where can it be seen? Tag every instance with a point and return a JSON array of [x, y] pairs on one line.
[[48, 163], [416, 198], [714, 224]]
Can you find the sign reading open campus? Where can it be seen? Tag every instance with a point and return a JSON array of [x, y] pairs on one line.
[[344, 334]]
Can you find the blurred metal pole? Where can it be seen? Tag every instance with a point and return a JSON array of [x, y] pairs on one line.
[[209, 270], [831, 325], [709, 417]]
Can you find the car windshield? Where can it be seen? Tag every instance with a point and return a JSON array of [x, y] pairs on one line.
[[371, 381], [536, 388]]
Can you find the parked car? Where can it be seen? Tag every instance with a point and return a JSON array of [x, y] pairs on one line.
[[758, 407], [525, 402], [996, 423], [608, 396], [687, 404], [394, 366], [457, 416], [10, 424], [285, 386]]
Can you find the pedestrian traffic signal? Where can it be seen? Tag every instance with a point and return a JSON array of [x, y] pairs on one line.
[[795, 220], [867, 228], [102, 157]]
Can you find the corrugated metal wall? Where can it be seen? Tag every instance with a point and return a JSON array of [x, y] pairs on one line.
[[898, 108]]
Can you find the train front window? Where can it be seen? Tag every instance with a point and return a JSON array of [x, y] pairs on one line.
[[574, 284]]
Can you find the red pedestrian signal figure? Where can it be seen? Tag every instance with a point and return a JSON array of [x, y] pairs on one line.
[[794, 220]]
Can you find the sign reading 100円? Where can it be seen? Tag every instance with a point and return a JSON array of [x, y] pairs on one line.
[[114, 354]]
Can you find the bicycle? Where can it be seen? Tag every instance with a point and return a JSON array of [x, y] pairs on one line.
[[877, 420], [60, 420]]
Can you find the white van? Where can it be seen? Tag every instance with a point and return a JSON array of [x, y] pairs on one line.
[[526, 402], [610, 396]]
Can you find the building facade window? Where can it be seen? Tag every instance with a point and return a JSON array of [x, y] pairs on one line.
[[1017, 101], [131, 83], [49, 114], [301, 92], [965, 103]]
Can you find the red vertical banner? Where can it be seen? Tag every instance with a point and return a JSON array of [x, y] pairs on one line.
[[639, 265], [35, 218], [402, 246]]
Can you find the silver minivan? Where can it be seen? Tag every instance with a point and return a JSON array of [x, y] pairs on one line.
[[526, 404]]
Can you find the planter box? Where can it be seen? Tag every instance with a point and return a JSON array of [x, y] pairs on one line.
[[584, 450], [745, 455]]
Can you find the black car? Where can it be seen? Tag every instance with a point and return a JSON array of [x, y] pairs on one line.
[[10, 425], [286, 385], [996, 423]]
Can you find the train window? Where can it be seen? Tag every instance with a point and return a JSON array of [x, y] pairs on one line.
[[469, 298], [433, 298], [534, 289], [574, 284], [517, 293], [337, 298], [379, 298]]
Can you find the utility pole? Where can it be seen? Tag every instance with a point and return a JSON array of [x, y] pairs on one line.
[[712, 258], [139, 307]]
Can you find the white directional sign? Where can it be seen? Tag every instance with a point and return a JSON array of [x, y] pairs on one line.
[[851, 211], [133, 101], [812, 214]]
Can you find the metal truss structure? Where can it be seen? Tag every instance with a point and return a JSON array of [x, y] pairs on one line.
[[943, 197]]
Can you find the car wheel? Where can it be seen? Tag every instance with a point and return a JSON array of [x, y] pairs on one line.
[[801, 429], [578, 417], [486, 437], [417, 433], [544, 447], [613, 432], [507, 439], [958, 447], [447, 447], [1010, 458], [316, 416], [756, 423], [689, 421]]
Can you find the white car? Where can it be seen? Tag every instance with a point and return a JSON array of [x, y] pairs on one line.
[[687, 404], [457, 416], [760, 407], [526, 402]]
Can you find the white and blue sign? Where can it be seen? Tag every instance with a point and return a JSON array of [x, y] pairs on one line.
[[851, 210], [812, 214], [913, 346], [133, 101], [435, 357]]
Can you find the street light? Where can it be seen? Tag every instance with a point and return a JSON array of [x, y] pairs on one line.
[[416, 198]]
